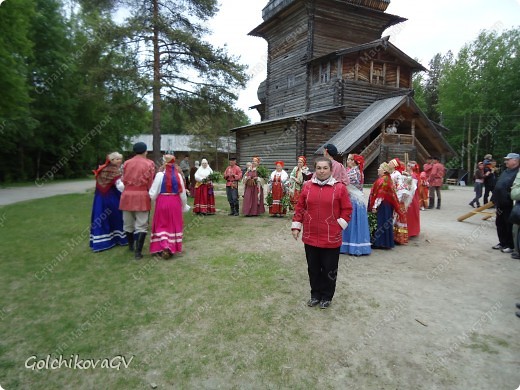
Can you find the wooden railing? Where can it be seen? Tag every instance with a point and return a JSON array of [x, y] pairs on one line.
[[398, 139], [371, 152], [421, 151]]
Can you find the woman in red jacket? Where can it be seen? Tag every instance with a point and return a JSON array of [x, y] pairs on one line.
[[324, 210]]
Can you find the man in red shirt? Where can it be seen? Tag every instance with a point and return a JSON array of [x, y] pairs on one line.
[[233, 174], [436, 177], [138, 175]]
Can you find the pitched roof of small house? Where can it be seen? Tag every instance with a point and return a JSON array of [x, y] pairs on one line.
[[375, 46], [360, 127], [288, 118], [353, 133]]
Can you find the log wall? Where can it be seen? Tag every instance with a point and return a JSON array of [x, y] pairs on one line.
[[286, 71], [273, 143], [339, 25]]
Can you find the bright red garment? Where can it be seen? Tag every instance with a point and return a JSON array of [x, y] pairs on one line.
[[204, 199], [383, 190], [413, 214], [318, 211], [436, 175], [232, 174], [138, 175], [277, 193]]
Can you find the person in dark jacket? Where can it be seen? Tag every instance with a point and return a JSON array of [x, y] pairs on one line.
[[489, 178], [502, 199], [323, 210]]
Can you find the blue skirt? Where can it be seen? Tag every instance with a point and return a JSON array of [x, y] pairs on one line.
[[356, 237], [106, 229], [383, 237]]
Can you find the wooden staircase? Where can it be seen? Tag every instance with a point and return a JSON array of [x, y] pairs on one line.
[[388, 146]]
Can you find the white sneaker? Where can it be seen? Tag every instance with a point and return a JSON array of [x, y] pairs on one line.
[[507, 250]]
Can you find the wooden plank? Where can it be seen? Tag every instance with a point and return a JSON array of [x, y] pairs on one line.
[[479, 210]]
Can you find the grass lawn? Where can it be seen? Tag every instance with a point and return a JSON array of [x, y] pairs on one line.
[[214, 316]]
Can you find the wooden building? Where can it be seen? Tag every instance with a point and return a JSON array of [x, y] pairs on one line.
[[216, 151], [333, 78]]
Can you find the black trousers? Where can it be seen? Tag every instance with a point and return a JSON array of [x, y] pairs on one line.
[[322, 266], [232, 195], [433, 191], [487, 191], [504, 228]]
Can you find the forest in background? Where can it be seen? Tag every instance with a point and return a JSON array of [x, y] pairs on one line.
[[77, 80], [476, 95]]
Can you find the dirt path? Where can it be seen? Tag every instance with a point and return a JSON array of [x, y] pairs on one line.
[[11, 195], [435, 314]]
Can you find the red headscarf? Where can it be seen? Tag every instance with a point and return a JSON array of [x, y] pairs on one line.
[[360, 161], [304, 160], [280, 162], [384, 188]]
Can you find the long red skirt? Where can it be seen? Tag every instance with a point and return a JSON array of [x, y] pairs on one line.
[[253, 201], [277, 194], [413, 216], [294, 198], [167, 224], [204, 199]]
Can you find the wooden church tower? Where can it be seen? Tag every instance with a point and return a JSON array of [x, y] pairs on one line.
[[332, 77]]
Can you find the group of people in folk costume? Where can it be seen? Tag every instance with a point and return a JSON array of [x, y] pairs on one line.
[[123, 200], [397, 197], [125, 195], [280, 186]]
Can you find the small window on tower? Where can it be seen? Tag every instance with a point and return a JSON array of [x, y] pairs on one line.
[[291, 81], [325, 72]]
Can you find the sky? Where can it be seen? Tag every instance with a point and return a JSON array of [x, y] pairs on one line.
[[432, 27]]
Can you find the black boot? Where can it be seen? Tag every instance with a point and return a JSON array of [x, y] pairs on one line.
[[237, 213], [139, 242], [232, 207], [431, 204], [438, 204], [130, 238]]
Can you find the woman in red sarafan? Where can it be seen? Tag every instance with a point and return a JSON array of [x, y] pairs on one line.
[[278, 188], [413, 216], [204, 197], [254, 193]]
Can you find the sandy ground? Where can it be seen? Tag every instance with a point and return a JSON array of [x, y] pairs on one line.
[[438, 313]]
